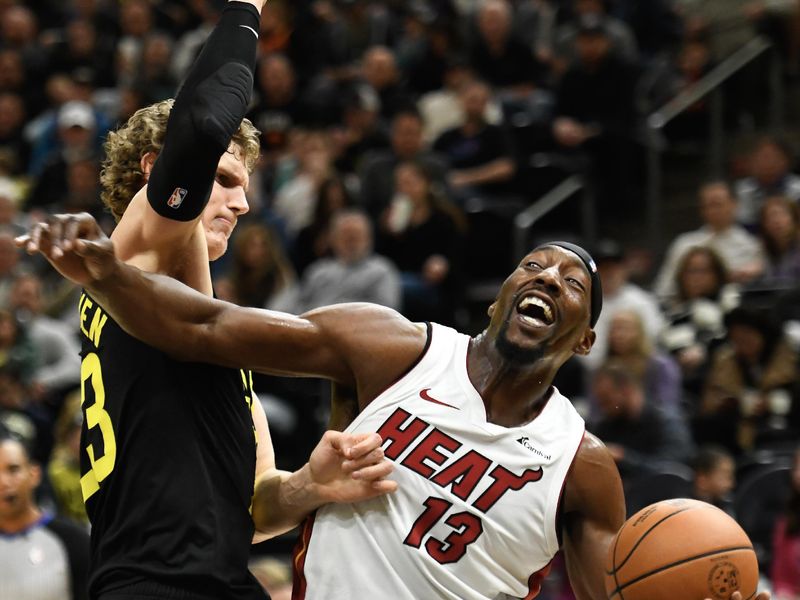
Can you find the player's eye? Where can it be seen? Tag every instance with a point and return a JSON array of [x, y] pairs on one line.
[[532, 264], [575, 283]]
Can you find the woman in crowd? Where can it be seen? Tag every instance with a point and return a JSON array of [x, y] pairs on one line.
[[260, 274], [779, 227], [786, 543], [422, 233], [695, 317], [312, 242], [752, 387], [629, 344]]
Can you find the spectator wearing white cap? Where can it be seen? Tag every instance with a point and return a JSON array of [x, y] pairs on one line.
[[76, 128]]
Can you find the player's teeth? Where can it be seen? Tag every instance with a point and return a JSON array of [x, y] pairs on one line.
[[540, 303]]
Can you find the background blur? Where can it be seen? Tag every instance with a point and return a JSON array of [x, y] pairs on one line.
[[412, 152]]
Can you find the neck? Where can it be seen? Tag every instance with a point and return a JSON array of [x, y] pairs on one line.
[[21, 521], [512, 394]]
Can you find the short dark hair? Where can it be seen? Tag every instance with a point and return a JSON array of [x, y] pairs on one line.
[[709, 457], [6, 435]]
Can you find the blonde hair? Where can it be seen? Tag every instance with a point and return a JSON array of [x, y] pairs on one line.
[[121, 176]]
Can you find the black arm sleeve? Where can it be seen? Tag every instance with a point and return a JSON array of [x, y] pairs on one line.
[[208, 111]]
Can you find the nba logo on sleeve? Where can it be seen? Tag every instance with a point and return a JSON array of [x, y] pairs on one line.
[[177, 198]]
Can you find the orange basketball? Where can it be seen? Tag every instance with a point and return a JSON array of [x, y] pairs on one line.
[[682, 549]]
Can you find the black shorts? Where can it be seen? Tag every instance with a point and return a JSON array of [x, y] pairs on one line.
[[151, 590]]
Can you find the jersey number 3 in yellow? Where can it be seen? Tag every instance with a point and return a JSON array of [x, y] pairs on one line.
[[96, 416]]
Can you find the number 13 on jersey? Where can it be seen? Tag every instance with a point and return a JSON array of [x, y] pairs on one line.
[[96, 416]]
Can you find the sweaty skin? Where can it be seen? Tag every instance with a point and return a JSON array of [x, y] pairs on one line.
[[365, 348]]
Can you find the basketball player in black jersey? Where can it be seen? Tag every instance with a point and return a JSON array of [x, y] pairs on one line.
[[170, 450]]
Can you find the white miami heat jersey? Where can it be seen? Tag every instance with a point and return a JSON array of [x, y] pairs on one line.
[[474, 517]]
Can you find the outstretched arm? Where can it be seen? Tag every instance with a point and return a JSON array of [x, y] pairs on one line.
[[360, 345]]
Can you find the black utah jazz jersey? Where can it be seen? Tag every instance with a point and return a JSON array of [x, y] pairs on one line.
[[168, 457]]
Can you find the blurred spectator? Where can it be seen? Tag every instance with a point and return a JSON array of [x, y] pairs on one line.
[[41, 557], [630, 347], [16, 79], [426, 48], [443, 109], [480, 155], [730, 24], [770, 175], [277, 106], [500, 59], [294, 201], [17, 352], [136, 22], [14, 148], [785, 571], [695, 314], [191, 42], [76, 139], [260, 274], [360, 132], [596, 113], [623, 42], [12, 220], [657, 24], [422, 234], [64, 469], [752, 385], [740, 250], [19, 30], [637, 433], [57, 350], [714, 477], [83, 47], [380, 72], [779, 228], [354, 273], [620, 294], [10, 264], [154, 73], [274, 576], [377, 175], [15, 414], [693, 62], [313, 242]]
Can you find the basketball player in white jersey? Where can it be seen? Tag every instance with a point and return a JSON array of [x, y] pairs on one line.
[[495, 470]]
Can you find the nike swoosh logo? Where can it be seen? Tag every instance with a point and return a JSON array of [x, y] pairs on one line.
[[255, 33], [425, 396]]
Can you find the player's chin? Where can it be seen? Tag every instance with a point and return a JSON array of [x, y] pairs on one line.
[[217, 245]]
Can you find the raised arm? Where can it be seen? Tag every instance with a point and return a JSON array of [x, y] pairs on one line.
[[162, 218]]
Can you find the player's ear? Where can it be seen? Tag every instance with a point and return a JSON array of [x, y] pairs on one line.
[[586, 342], [491, 309], [146, 163]]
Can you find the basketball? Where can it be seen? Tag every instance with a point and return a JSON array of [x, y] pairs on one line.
[[683, 549]]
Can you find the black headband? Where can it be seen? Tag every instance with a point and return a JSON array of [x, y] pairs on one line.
[[591, 266]]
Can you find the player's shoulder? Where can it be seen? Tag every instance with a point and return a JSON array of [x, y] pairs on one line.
[[593, 479]]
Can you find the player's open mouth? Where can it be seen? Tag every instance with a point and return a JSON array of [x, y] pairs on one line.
[[535, 311]]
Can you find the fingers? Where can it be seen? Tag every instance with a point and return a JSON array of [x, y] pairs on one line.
[[373, 458], [359, 445], [59, 234], [375, 472]]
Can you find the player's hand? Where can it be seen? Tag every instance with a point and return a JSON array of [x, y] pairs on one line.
[[350, 467], [738, 596], [74, 244]]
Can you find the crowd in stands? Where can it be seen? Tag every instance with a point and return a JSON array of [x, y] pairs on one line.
[[389, 130]]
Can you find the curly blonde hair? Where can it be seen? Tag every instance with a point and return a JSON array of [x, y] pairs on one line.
[[121, 176]]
